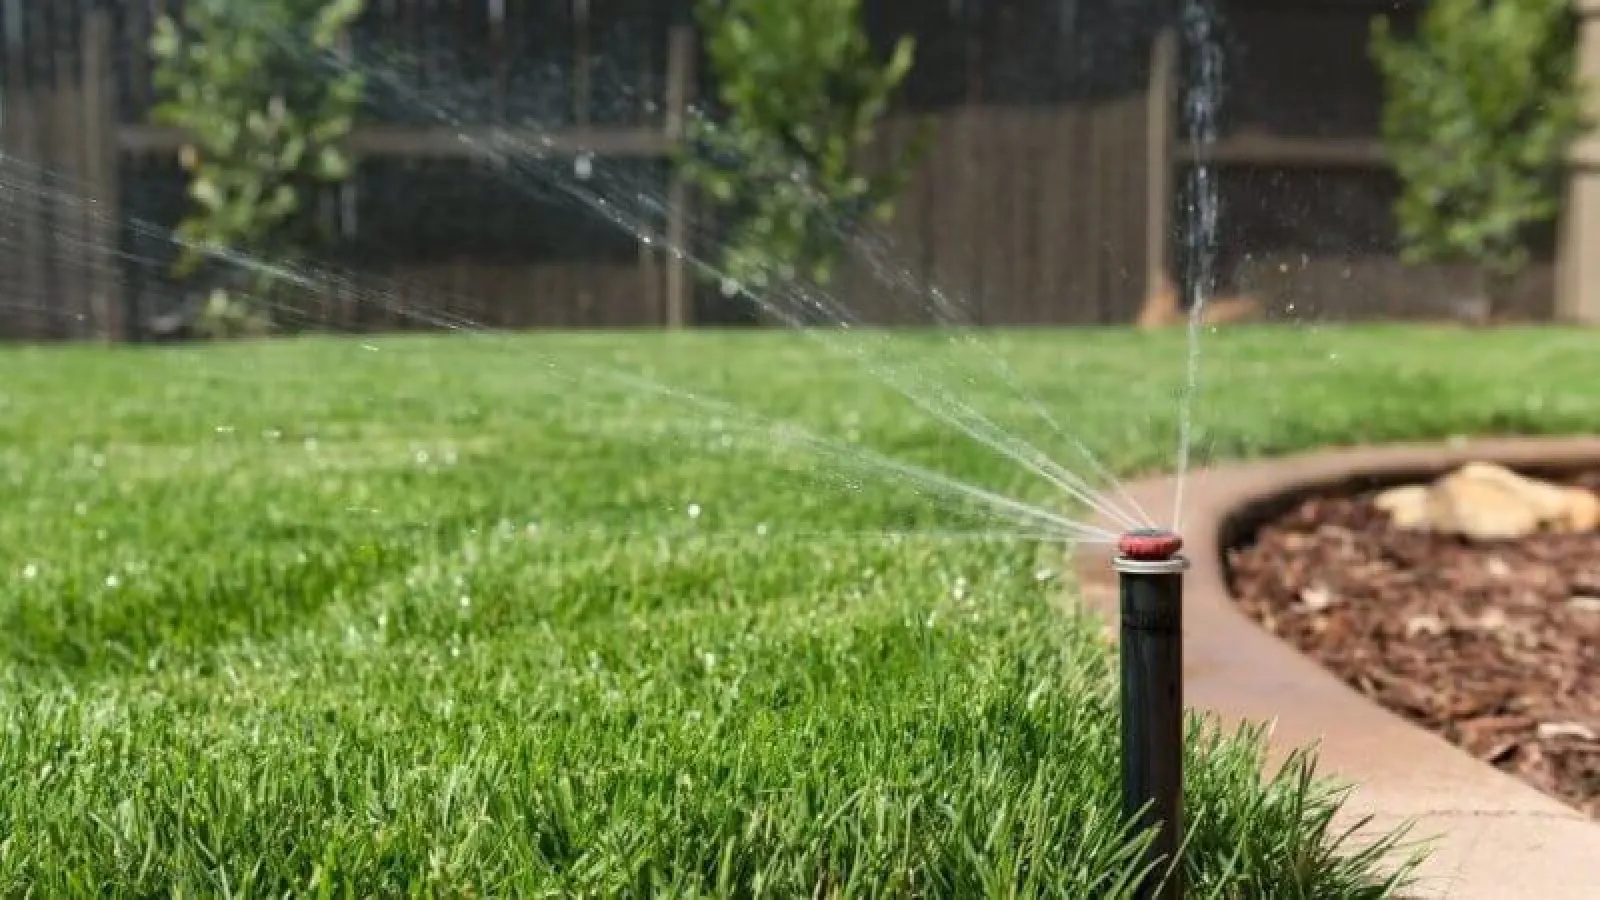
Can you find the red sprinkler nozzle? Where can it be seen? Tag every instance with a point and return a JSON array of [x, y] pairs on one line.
[[1149, 545]]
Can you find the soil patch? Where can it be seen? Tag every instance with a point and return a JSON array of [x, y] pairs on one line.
[[1495, 646]]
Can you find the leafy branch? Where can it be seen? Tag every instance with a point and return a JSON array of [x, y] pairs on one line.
[[266, 117], [803, 96]]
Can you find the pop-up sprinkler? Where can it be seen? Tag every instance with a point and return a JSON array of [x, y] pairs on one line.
[[1150, 567]]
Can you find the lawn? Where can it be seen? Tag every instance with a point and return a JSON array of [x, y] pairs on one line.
[[461, 616]]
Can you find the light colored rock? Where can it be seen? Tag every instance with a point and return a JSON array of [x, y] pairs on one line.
[[1487, 502], [1583, 510], [1407, 506], [1547, 501], [1482, 509]]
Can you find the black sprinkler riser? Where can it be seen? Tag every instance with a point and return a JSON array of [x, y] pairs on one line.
[[1150, 575]]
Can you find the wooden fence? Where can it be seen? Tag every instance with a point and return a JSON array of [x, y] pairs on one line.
[[1052, 192]]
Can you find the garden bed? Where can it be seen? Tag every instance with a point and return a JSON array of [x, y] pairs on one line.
[[1493, 645]]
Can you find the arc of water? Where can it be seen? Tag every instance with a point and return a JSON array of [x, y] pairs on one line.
[[1019, 451]]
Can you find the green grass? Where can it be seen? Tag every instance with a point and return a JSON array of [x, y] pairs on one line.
[[431, 616]]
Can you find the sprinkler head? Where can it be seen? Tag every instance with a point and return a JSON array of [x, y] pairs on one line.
[[1149, 545]]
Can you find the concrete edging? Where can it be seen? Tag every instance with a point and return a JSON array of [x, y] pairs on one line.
[[1494, 837]]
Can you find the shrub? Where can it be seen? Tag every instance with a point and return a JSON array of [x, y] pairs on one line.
[[265, 123], [1481, 107], [802, 94]]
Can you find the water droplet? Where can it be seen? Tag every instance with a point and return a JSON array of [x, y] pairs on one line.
[[762, 529], [583, 166], [694, 510], [80, 508], [224, 429], [30, 571], [466, 601], [112, 581], [422, 457]]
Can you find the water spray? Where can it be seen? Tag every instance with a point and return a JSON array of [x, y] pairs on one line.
[[1150, 569]]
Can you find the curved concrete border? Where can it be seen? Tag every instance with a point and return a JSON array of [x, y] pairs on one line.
[[1496, 838]]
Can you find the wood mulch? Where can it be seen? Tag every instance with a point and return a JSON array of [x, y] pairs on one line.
[[1494, 646]]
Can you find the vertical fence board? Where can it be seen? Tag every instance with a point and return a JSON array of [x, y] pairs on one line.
[[680, 81], [102, 223], [23, 272]]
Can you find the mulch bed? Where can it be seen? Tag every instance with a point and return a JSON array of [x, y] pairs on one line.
[[1494, 646]]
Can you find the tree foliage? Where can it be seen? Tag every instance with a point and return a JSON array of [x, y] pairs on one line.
[[265, 112], [802, 94], [1481, 108]]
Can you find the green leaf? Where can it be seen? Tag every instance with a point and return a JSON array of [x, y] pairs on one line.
[[333, 165], [164, 40], [206, 192], [292, 150]]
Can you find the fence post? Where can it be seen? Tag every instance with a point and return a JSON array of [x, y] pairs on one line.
[[1578, 253], [24, 139], [104, 215], [680, 88], [1159, 100]]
